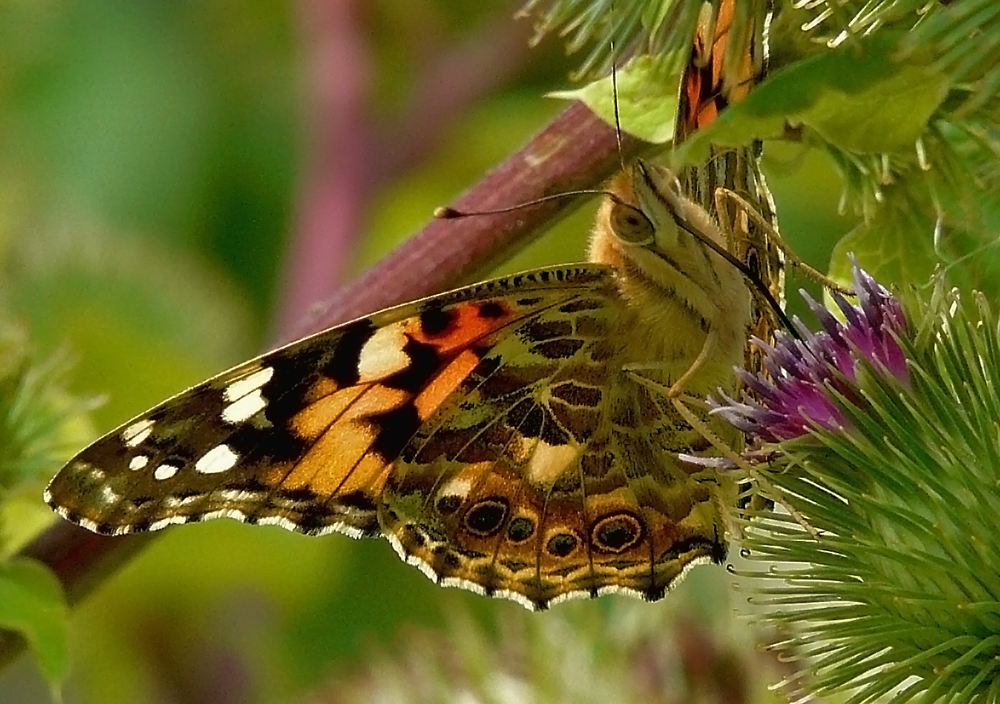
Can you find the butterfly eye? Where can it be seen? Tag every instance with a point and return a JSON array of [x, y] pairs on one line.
[[630, 225]]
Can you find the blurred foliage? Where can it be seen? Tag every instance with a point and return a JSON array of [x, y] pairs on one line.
[[40, 424], [32, 604], [150, 164], [686, 648]]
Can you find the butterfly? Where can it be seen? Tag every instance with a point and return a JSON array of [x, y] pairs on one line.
[[518, 437]]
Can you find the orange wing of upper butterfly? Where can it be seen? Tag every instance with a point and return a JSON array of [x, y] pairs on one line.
[[709, 85]]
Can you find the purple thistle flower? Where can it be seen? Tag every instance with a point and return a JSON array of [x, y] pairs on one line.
[[794, 395]]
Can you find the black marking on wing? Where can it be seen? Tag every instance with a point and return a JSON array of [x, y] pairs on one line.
[[425, 363], [437, 321]]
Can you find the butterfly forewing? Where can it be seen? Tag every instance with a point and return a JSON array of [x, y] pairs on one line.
[[302, 436]]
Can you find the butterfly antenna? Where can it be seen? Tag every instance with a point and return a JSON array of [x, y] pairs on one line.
[[449, 213], [614, 97]]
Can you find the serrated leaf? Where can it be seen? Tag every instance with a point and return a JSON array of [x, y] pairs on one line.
[[32, 604], [861, 101], [647, 100]]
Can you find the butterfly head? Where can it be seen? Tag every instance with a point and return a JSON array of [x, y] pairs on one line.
[[646, 220]]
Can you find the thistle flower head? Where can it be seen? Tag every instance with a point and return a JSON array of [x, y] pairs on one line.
[[878, 562], [794, 394]]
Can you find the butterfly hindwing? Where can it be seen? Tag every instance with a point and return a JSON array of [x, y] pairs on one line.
[[550, 473]]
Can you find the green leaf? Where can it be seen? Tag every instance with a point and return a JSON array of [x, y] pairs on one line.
[[860, 101], [647, 100], [917, 229], [896, 250], [32, 604]]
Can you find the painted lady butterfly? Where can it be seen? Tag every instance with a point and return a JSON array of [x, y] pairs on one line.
[[517, 437]]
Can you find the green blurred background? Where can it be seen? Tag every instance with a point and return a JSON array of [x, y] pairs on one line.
[[154, 165]]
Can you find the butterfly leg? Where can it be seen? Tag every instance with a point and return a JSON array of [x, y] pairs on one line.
[[677, 388], [724, 198], [758, 502], [731, 457], [711, 342]]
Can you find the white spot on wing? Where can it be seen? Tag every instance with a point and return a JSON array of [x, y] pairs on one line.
[[168, 521], [233, 513], [548, 462], [85, 522], [287, 524], [341, 528], [383, 354], [525, 601], [244, 408], [456, 486], [109, 496], [136, 434], [138, 462], [219, 459], [240, 495], [165, 471], [185, 500], [241, 387]]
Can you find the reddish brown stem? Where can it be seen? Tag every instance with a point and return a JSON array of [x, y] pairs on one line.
[[575, 151], [336, 181]]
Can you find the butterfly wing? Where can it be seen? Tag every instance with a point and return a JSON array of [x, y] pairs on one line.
[[484, 431], [303, 436]]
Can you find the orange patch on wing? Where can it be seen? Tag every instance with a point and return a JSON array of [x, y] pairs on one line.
[[331, 459], [703, 82], [369, 475], [321, 388], [375, 401], [444, 383], [466, 327], [338, 450], [314, 419]]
